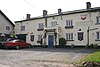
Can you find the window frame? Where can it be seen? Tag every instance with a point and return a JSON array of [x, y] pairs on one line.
[[69, 24], [98, 20], [97, 36], [7, 28], [31, 37], [69, 36], [23, 28], [54, 24]]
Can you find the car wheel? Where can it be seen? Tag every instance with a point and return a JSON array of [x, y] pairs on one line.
[[17, 47], [29, 46]]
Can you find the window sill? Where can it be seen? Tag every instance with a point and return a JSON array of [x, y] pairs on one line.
[[40, 29], [68, 27], [97, 40], [69, 40], [97, 23]]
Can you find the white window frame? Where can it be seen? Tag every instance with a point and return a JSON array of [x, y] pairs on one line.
[[39, 37], [69, 22], [98, 20], [53, 24], [40, 26], [69, 36], [98, 35], [22, 28]]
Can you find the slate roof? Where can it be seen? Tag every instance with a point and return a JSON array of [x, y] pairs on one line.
[[95, 9]]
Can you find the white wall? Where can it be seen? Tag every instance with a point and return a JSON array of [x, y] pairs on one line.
[[78, 23], [3, 24]]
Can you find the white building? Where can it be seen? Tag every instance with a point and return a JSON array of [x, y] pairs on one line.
[[78, 27], [6, 26]]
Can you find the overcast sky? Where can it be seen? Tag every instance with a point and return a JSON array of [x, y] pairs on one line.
[[16, 10]]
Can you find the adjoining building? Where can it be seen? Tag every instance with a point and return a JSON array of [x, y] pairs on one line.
[[6, 26], [78, 27]]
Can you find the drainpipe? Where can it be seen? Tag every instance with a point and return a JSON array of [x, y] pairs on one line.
[[88, 37], [88, 31]]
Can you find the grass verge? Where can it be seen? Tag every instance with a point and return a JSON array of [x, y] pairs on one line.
[[93, 57]]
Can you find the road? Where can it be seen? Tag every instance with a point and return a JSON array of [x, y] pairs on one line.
[[42, 57]]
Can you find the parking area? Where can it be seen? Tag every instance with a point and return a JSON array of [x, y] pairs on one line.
[[43, 57]]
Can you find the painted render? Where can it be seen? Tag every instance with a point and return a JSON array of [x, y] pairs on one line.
[[83, 20], [4, 23]]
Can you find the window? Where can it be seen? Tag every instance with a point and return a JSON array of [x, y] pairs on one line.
[[41, 26], [7, 28], [80, 36], [69, 24], [98, 20], [53, 24], [98, 35], [69, 36], [22, 28], [39, 37], [32, 38]]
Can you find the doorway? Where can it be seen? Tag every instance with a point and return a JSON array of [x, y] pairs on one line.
[[50, 41]]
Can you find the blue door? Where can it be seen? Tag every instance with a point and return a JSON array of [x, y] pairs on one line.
[[50, 41]]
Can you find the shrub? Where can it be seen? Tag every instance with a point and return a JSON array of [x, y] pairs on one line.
[[62, 42], [72, 45]]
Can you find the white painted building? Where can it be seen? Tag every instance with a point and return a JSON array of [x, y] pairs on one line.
[[6, 26], [78, 27]]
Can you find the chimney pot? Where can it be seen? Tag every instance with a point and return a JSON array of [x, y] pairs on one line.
[[44, 13], [28, 16], [59, 11], [88, 5]]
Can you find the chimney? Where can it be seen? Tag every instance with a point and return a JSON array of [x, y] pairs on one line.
[[88, 5], [44, 13], [28, 16], [59, 11]]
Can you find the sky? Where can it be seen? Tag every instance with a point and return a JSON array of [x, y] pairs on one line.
[[16, 10]]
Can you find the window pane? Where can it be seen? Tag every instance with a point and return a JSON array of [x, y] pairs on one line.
[[98, 35], [41, 26], [69, 22], [39, 37], [32, 37], [71, 36], [22, 28], [53, 24]]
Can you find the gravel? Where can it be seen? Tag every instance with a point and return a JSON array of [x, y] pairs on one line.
[[42, 57]]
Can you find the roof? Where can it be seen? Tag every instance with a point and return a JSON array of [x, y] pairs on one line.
[[95, 9], [7, 18]]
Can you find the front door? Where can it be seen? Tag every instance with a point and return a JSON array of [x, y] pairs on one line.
[[50, 41]]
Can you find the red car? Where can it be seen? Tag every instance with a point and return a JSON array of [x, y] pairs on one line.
[[16, 44]]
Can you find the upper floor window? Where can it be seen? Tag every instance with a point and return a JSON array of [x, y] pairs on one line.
[[98, 20], [69, 24], [98, 35], [22, 28], [69, 36], [40, 26], [7, 28], [53, 24]]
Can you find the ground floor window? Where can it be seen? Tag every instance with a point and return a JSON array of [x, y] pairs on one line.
[[69, 36], [39, 37], [32, 38], [98, 35], [80, 36]]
